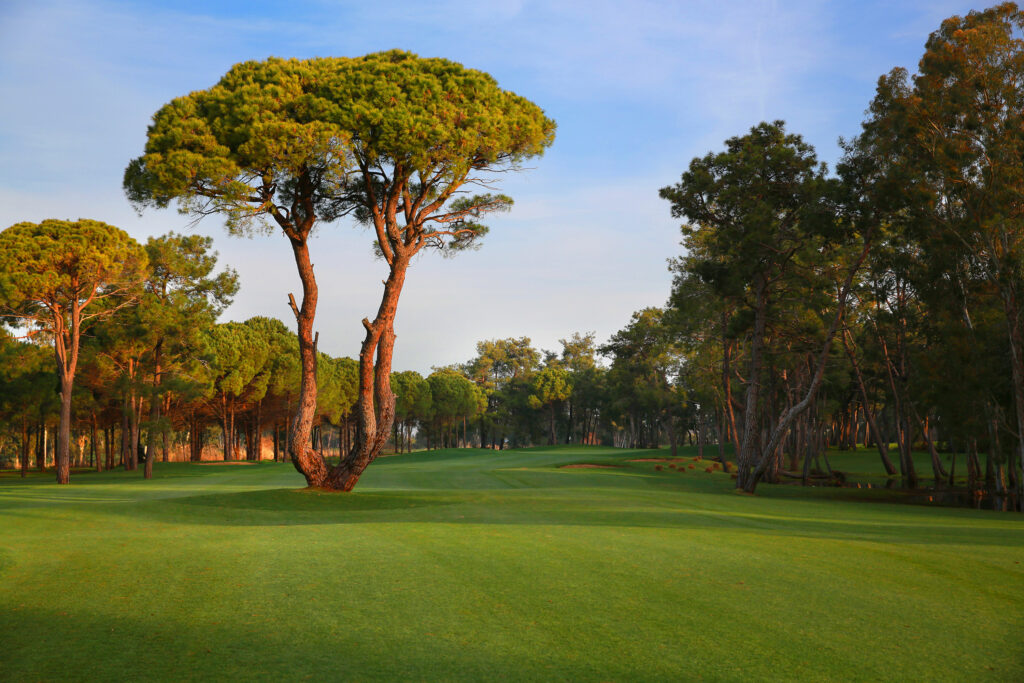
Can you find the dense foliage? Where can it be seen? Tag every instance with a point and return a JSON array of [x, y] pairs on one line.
[[391, 139]]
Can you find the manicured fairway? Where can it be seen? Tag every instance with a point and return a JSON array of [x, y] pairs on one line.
[[483, 565]]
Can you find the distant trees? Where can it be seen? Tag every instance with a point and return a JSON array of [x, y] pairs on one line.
[[181, 295], [503, 369], [550, 388], [413, 404], [57, 278], [644, 396], [27, 395], [454, 399], [390, 139]]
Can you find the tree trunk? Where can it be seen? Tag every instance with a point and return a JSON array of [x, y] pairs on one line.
[[728, 408], [938, 471], [286, 453], [1017, 366], [135, 435], [165, 445], [375, 407], [108, 446], [749, 454], [551, 424], [310, 464], [125, 436], [41, 446], [869, 413], [92, 443], [782, 426], [672, 438], [24, 447], [154, 415], [63, 458]]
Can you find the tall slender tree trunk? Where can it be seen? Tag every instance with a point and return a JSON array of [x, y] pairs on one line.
[[41, 446], [154, 414], [63, 457], [728, 407], [310, 464], [286, 453], [750, 448], [869, 413], [165, 445], [258, 446], [24, 447], [93, 443], [125, 436], [135, 433], [1011, 306], [108, 446]]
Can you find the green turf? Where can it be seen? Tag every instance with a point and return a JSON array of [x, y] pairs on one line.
[[488, 565]]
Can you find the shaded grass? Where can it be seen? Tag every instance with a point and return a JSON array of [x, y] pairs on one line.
[[470, 564]]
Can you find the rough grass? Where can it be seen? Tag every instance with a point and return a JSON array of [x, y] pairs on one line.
[[482, 565]]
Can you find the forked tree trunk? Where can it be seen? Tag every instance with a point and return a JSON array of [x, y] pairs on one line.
[[869, 413], [750, 451], [781, 428]]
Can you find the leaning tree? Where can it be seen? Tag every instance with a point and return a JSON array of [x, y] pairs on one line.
[[57, 277], [409, 146]]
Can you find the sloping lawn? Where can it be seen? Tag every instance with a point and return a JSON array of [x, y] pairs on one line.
[[482, 565]]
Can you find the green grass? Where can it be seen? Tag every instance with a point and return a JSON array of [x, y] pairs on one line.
[[488, 565]]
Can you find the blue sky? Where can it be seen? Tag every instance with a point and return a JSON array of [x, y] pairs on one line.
[[638, 89]]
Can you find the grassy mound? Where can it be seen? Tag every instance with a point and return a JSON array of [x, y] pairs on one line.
[[468, 564]]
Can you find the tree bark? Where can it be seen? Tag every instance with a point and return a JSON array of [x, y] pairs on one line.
[[869, 413], [1010, 304], [63, 459], [781, 427], [154, 414], [310, 464], [92, 443], [375, 407], [24, 447], [748, 456]]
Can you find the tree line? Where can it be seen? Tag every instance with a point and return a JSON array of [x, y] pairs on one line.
[[877, 303]]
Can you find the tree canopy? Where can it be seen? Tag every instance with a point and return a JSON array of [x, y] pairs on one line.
[[390, 139], [58, 276]]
